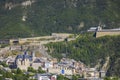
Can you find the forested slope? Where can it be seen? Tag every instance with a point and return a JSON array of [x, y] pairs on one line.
[[42, 17]]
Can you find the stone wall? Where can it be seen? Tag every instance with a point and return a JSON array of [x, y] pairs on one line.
[[107, 33], [55, 37]]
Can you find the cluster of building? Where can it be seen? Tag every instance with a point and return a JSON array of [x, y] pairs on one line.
[[65, 66]]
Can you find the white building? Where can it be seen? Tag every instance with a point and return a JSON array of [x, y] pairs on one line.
[[46, 77]]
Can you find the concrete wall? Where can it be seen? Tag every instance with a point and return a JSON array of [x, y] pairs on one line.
[[105, 33]]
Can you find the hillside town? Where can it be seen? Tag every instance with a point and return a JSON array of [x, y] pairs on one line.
[[53, 67], [59, 39], [26, 58]]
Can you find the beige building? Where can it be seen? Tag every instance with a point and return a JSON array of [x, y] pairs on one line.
[[24, 61], [91, 72], [23, 64]]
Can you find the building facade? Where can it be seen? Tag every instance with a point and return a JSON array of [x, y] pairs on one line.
[[24, 61]]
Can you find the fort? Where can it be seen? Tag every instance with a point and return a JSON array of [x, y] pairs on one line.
[[99, 32], [107, 33]]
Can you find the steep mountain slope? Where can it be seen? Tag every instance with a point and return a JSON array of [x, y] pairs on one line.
[[22, 18]]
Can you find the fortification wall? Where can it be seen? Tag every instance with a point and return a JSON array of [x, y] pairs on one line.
[[105, 33], [42, 39]]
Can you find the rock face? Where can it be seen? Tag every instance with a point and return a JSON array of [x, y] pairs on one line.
[[28, 3], [11, 4], [8, 5], [114, 66]]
